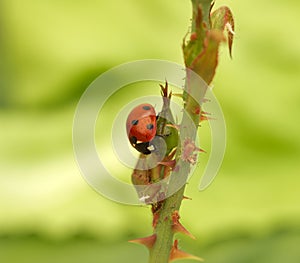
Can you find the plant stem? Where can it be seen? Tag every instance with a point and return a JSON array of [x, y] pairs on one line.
[[160, 252], [201, 56]]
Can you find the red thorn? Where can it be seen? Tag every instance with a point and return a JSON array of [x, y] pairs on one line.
[[205, 113], [201, 150], [164, 91], [205, 118], [178, 227], [179, 254], [169, 163], [186, 198], [146, 241]]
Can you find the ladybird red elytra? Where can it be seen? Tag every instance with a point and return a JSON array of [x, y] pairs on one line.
[[141, 127]]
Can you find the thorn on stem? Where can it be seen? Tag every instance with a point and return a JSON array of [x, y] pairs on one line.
[[179, 254], [186, 198], [146, 241], [177, 227]]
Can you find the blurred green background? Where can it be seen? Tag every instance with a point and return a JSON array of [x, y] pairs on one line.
[[51, 50]]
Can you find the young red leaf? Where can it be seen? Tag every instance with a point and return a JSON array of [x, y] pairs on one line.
[[222, 19]]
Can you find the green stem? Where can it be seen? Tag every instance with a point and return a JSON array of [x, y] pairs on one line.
[[160, 252]]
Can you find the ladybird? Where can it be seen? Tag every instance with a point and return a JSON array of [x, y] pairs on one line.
[[141, 127]]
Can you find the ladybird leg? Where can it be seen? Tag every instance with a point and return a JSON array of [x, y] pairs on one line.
[[133, 140], [168, 134], [158, 115], [143, 147], [164, 135]]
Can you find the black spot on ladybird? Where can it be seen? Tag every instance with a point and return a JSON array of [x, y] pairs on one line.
[[135, 122], [146, 108], [150, 126]]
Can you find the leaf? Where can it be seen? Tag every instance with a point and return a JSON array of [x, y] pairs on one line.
[[222, 19]]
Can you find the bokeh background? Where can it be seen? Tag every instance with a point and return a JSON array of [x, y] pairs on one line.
[[49, 53]]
